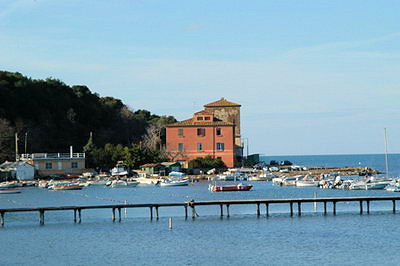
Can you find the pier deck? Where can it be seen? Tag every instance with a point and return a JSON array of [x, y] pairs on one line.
[[192, 204]]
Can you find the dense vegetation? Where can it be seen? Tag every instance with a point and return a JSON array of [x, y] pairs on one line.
[[207, 163], [53, 116]]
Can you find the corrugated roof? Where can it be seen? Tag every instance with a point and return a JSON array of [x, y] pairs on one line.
[[150, 165], [222, 103], [13, 164]]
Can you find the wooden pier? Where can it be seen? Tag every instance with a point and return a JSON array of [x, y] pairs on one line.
[[193, 204]]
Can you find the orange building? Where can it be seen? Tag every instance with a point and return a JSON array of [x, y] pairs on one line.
[[205, 135]]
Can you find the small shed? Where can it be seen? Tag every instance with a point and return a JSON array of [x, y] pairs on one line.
[[153, 169], [19, 170], [172, 167]]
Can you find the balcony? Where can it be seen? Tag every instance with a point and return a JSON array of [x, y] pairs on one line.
[[44, 156]]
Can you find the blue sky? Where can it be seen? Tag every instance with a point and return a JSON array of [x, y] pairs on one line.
[[313, 77]]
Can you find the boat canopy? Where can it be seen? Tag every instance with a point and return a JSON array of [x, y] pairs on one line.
[[174, 173]]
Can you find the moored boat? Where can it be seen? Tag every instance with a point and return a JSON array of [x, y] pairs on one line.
[[66, 186], [9, 191], [236, 187], [123, 184], [173, 182]]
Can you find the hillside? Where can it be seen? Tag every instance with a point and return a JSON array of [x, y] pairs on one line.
[[54, 116]]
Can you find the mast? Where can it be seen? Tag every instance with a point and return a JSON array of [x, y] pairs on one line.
[[16, 146], [386, 157]]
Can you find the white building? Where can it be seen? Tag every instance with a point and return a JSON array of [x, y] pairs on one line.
[[19, 170]]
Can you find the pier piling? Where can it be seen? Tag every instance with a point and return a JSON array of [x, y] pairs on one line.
[[113, 214], [157, 217], [291, 208], [41, 217], [361, 207], [258, 209], [267, 209], [119, 214], [368, 206], [74, 215], [151, 212], [299, 207], [325, 208], [394, 206], [79, 216], [186, 212], [2, 219], [334, 207], [227, 210], [221, 210]]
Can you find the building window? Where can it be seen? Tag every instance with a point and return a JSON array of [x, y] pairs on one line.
[[49, 166], [201, 132], [199, 146], [199, 118], [180, 147], [220, 146], [74, 164], [180, 132], [219, 132], [207, 118]]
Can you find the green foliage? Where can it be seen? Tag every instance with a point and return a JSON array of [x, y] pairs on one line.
[[134, 156], [207, 163], [57, 116]]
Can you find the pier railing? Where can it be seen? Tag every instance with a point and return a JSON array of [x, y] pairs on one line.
[[193, 204]]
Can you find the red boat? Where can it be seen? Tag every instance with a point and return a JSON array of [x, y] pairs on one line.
[[238, 187]]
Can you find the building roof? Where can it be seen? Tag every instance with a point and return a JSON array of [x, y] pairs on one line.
[[190, 122], [148, 165], [203, 112], [7, 165], [167, 164], [222, 103]]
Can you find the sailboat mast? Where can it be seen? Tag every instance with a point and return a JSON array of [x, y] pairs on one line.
[[386, 157]]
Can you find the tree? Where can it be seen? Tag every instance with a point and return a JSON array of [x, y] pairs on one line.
[[89, 150], [6, 140], [207, 163]]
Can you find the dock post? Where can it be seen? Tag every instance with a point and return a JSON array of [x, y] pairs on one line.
[[186, 213], [41, 217], [334, 207], [368, 206], [361, 207], [227, 210], [291, 208], [151, 213], [113, 214], [74, 215], [119, 214], [267, 209], [258, 209], [299, 207], [324, 207], [79, 216], [170, 223], [394, 206], [2, 219], [193, 212], [157, 217], [222, 209]]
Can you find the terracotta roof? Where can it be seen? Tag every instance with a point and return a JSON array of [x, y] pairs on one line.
[[190, 122], [203, 112], [222, 103]]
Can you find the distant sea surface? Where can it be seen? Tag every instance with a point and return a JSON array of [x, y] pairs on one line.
[[243, 239], [375, 161]]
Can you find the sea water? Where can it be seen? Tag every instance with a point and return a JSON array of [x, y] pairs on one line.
[[312, 239]]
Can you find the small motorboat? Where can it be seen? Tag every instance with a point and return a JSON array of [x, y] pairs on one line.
[[123, 184], [173, 182], [238, 187], [66, 186], [9, 191]]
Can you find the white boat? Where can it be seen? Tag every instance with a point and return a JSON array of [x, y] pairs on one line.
[[96, 182], [307, 183], [170, 182], [120, 169], [123, 184], [393, 188], [291, 180], [66, 186]]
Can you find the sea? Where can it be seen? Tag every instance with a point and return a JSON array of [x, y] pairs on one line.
[[347, 238]]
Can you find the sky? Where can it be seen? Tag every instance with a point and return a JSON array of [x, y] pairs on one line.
[[313, 77]]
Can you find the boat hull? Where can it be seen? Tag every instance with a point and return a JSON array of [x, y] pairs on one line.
[[9, 191], [215, 188]]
